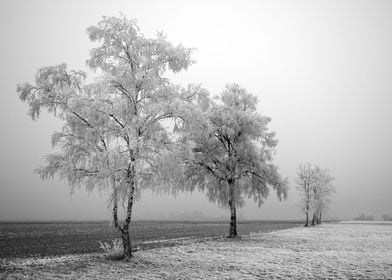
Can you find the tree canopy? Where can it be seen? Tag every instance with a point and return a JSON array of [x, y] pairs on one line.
[[113, 129], [232, 152]]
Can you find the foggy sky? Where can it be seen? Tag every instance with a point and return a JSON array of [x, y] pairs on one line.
[[322, 70]]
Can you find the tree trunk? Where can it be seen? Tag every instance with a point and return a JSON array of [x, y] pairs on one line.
[[233, 214], [125, 229], [233, 220], [307, 215], [126, 244], [127, 223], [307, 201], [319, 219], [314, 219]]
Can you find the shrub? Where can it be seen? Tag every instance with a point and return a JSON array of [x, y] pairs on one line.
[[114, 251], [363, 217], [387, 217]]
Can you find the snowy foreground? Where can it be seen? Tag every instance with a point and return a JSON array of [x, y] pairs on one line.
[[328, 251]]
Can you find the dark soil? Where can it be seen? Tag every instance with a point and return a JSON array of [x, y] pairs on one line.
[[50, 239]]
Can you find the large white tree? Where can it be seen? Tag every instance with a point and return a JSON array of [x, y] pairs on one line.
[[113, 135], [231, 153]]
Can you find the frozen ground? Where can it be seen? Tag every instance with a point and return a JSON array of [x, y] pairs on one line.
[[329, 251]]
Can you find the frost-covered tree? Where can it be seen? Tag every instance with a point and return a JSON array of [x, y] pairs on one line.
[[231, 155], [113, 136], [306, 178], [315, 187], [321, 193], [387, 217]]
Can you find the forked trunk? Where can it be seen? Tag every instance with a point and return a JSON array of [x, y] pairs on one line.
[[126, 244], [127, 223], [125, 229]]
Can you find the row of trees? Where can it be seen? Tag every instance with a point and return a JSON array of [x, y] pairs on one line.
[[315, 187], [132, 129], [364, 217], [368, 217], [116, 134]]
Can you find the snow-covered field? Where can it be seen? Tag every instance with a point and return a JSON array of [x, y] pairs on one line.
[[328, 251]]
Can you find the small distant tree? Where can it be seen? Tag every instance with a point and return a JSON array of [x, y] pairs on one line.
[[315, 187], [387, 217], [322, 190], [231, 153], [306, 177], [364, 217], [113, 136]]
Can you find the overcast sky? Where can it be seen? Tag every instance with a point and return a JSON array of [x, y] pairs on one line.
[[322, 70]]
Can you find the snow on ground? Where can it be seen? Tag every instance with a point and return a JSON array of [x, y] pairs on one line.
[[367, 222], [328, 251]]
